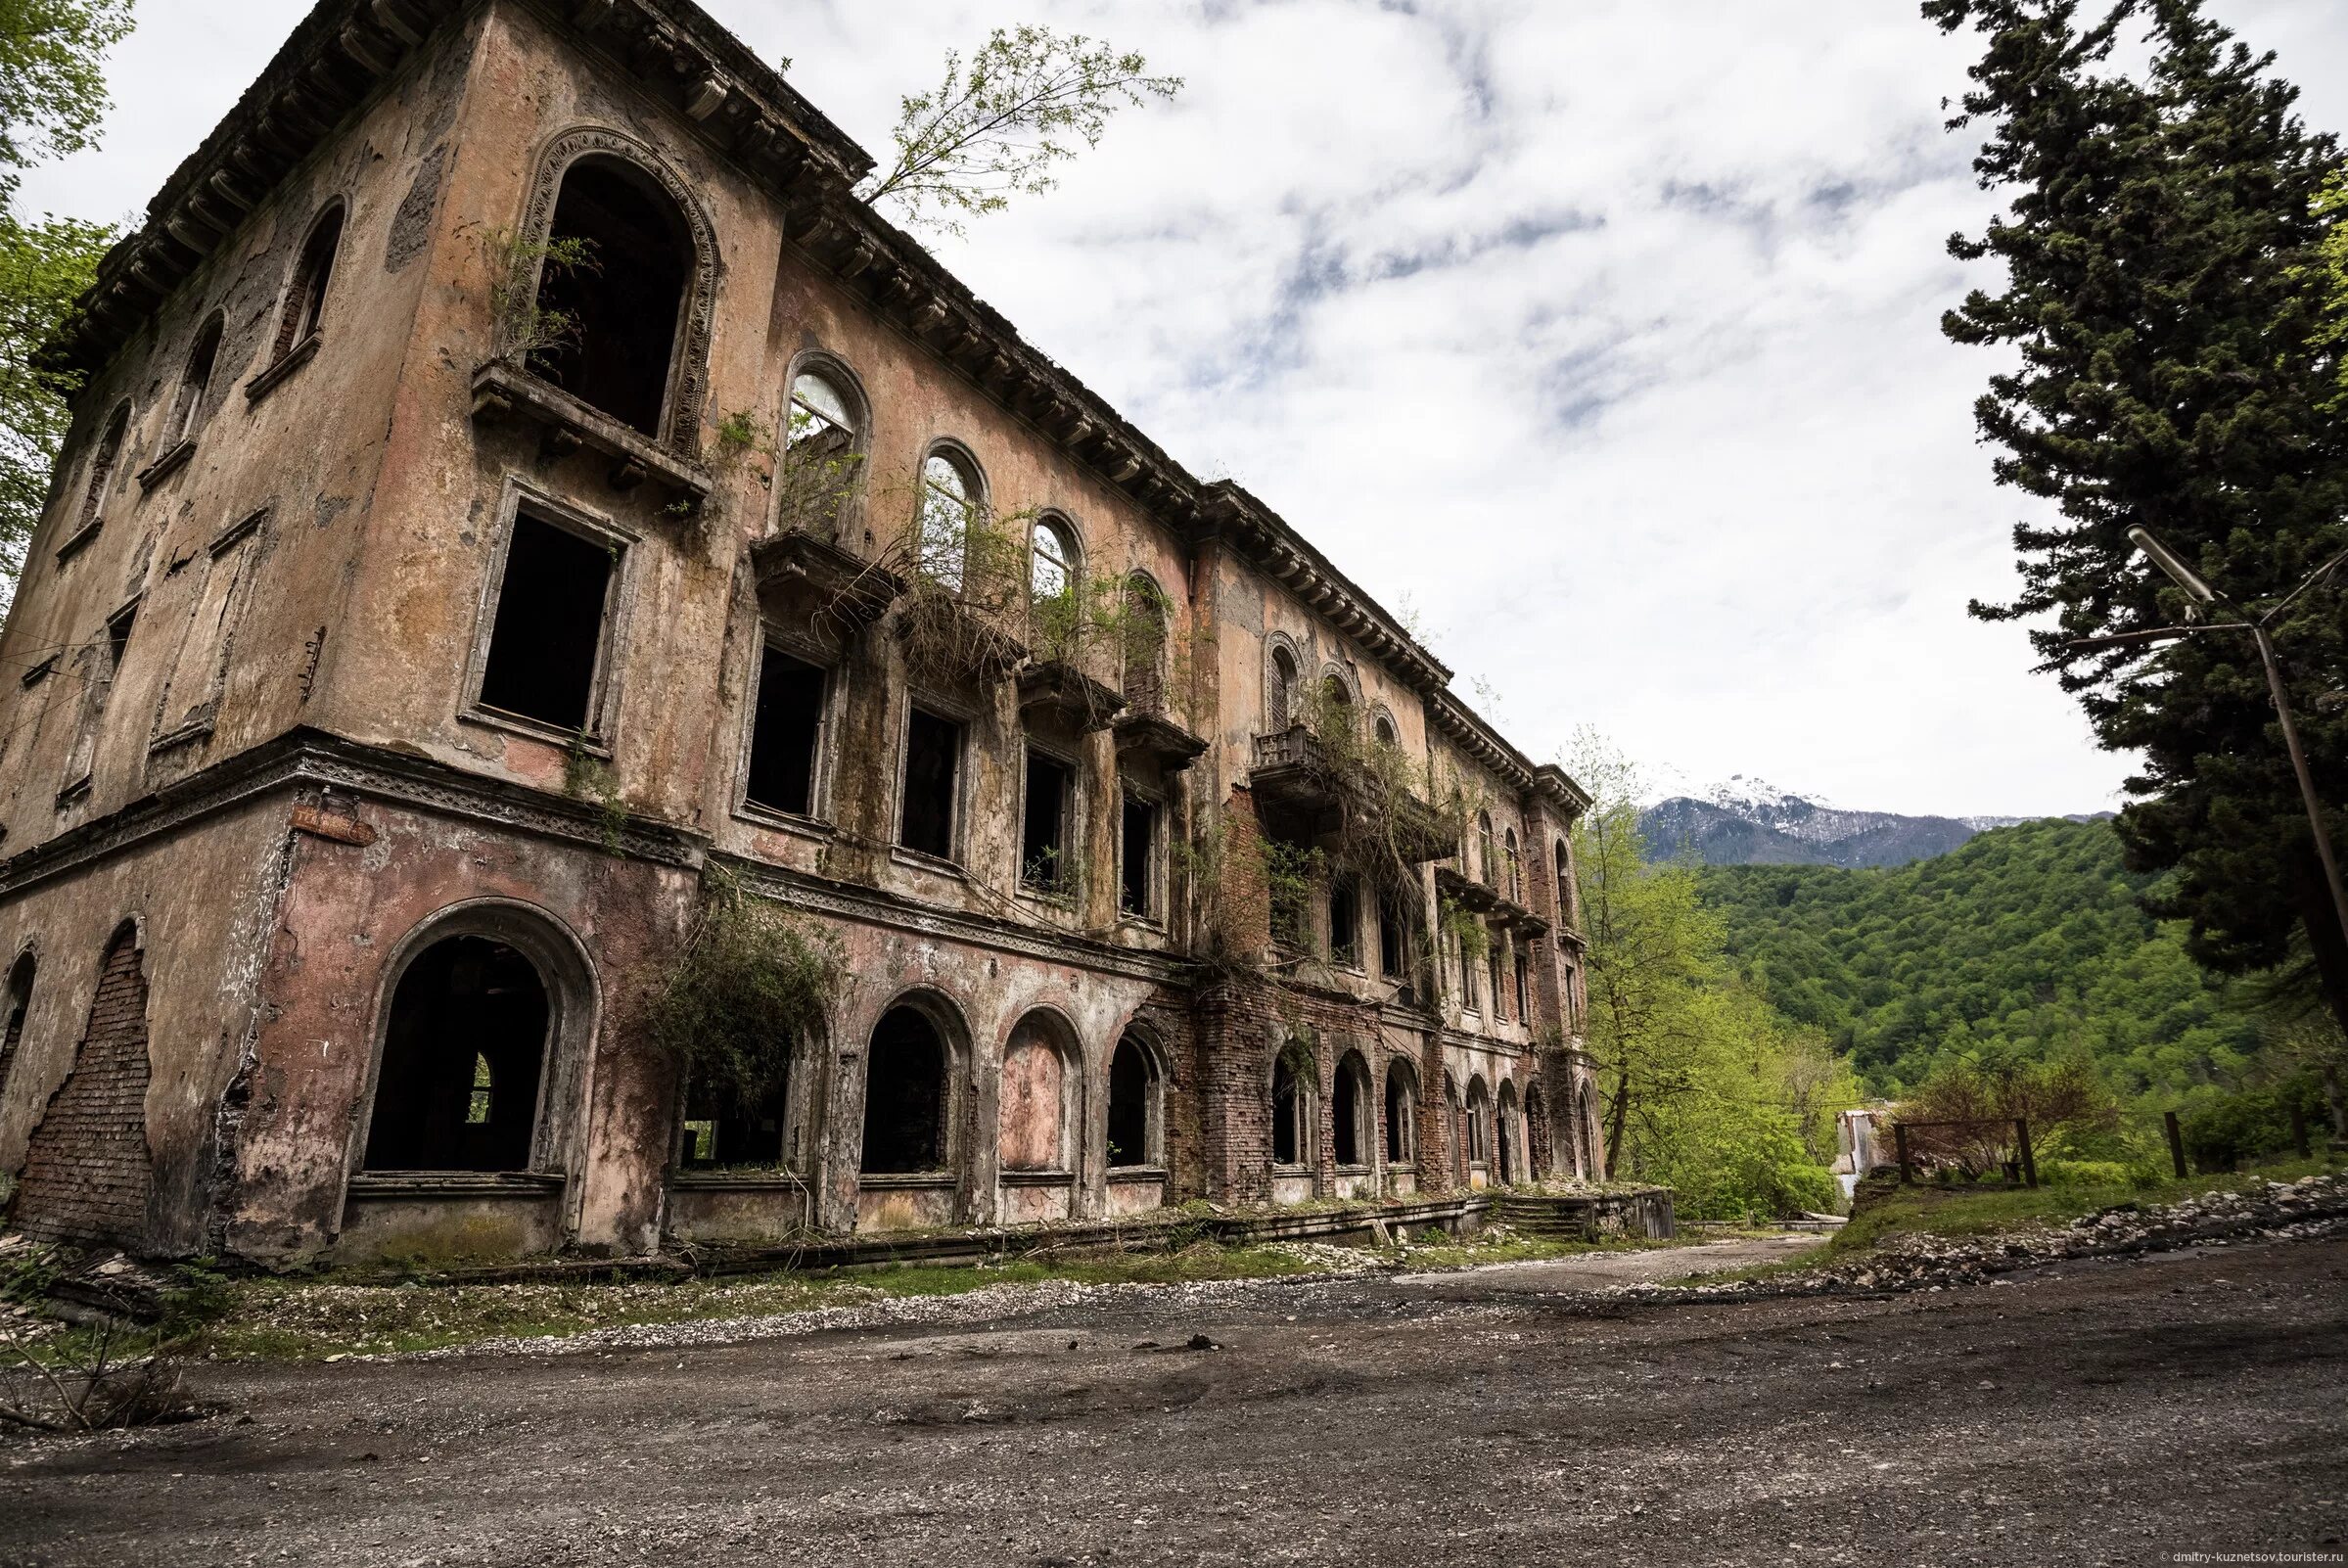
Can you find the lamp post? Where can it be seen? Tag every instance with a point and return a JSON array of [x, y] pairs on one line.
[[2203, 594]]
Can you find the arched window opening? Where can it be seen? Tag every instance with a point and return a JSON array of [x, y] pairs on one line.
[[1483, 845], [304, 313], [1505, 1138], [1136, 1105], [1455, 1117], [1393, 941], [1349, 1112], [19, 1004], [1565, 883], [187, 405], [1053, 564], [1479, 1122], [1401, 1119], [1540, 1157], [1143, 637], [1515, 868], [1384, 730], [905, 1095], [1492, 973], [620, 308], [1280, 698], [1291, 1114], [464, 1052], [101, 467], [949, 510], [1521, 964], [1035, 1128], [725, 1129], [1345, 922], [821, 457], [1337, 698]]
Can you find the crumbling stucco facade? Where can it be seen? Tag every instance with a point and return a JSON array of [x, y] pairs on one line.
[[416, 619]]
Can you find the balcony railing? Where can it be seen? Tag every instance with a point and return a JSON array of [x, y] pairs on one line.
[[1293, 766]]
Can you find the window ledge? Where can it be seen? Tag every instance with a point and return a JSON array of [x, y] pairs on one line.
[[75, 792], [78, 540], [536, 729], [456, 1184], [194, 730], [170, 463], [1136, 1173], [768, 817], [1353, 1169], [1037, 1178], [500, 391], [923, 860], [1292, 1169], [905, 1181], [748, 1180], [1048, 897], [269, 380]]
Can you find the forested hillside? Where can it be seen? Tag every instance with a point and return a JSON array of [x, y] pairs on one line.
[[2025, 940]]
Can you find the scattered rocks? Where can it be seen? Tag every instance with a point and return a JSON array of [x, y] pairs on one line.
[[2316, 1206]]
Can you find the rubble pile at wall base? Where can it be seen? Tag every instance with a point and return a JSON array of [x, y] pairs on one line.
[[2316, 1206]]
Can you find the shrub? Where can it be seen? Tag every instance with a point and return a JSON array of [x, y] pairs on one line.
[[750, 981]]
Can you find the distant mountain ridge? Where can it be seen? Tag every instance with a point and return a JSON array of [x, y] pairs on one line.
[[1746, 822]]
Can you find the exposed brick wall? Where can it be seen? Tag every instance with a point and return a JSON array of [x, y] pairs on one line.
[[87, 1172]]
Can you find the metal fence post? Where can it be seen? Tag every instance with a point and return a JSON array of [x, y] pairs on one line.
[[2175, 1141]]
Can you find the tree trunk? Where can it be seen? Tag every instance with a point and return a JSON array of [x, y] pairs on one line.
[[1621, 1114], [2322, 923]]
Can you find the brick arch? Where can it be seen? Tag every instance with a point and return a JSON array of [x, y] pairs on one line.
[[88, 1171]]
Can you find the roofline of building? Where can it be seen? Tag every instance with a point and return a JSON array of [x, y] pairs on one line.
[[339, 54]]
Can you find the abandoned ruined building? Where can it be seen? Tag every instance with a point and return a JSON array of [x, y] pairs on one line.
[[516, 488]]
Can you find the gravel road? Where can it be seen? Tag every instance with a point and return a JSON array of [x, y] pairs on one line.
[[2113, 1411]]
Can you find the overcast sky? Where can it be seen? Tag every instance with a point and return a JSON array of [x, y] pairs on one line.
[[1603, 336]]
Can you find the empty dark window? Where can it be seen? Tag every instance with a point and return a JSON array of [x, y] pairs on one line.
[[1289, 1114], [1524, 989], [1484, 843], [1384, 731], [1345, 923], [1393, 941], [1565, 883], [544, 648], [905, 1095], [1402, 1130], [1492, 973], [1348, 1105], [463, 1053], [306, 299], [1516, 881], [1044, 834], [1132, 1105], [623, 302], [783, 734], [1280, 696], [187, 408], [20, 1002], [723, 1128], [1137, 859], [104, 664], [933, 761]]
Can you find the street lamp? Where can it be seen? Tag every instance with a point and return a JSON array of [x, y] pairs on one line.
[[2201, 593]]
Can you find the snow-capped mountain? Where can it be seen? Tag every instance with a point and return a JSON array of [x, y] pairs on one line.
[[1748, 822]]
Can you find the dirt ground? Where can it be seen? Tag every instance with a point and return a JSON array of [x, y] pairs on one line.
[[2107, 1411]]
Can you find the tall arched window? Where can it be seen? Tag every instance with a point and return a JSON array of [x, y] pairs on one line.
[[102, 468], [1053, 564], [905, 1095], [12, 1031], [464, 1052], [187, 405], [1565, 885], [1135, 1107], [1280, 693], [1035, 1127], [1479, 1122], [613, 292], [822, 455], [1142, 633], [1337, 702], [949, 509], [304, 312], [1402, 1114], [1350, 1111], [1384, 730], [1484, 843], [1292, 1131], [1515, 866]]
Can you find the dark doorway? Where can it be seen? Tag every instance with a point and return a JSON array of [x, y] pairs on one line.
[[1399, 1127], [623, 300], [722, 1130], [1288, 1107], [905, 1095], [1133, 1104], [544, 648], [783, 734], [1346, 1105], [463, 1054], [1044, 836]]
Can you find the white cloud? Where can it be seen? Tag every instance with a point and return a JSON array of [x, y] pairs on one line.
[[1606, 333]]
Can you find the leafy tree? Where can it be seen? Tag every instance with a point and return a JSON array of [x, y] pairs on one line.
[[52, 96], [2168, 368], [1000, 128]]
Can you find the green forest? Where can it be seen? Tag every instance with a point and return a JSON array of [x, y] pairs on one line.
[[2026, 948]]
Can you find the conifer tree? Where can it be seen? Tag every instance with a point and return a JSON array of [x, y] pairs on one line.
[[2166, 366]]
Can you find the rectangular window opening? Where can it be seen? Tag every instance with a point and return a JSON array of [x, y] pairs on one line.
[[547, 643], [1044, 836], [1394, 959], [1137, 859], [784, 734], [933, 766]]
